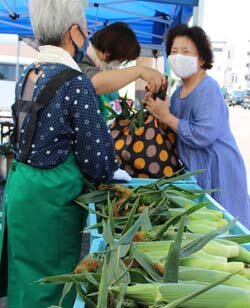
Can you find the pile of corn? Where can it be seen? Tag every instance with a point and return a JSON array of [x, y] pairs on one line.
[[165, 201], [162, 251]]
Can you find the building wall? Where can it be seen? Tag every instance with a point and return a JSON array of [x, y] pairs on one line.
[[11, 50], [222, 67], [247, 76]]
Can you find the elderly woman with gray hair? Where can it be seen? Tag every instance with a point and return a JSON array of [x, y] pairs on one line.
[[60, 138]]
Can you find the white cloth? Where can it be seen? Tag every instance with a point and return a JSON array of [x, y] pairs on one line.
[[122, 175], [54, 54]]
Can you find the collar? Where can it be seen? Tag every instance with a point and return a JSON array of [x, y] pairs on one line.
[[54, 54]]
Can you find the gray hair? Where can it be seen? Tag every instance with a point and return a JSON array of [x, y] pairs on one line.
[[51, 19]]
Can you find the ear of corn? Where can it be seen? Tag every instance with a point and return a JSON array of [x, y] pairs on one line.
[[197, 261], [176, 219], [202, 228], [178, 271], [199, 243], [244, 255], [218, 297], [212, 247], [209, 276], [160, 257]]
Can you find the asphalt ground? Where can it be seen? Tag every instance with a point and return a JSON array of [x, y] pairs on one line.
[[240, 126]]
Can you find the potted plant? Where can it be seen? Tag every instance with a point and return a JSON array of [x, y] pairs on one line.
[[6, 157]]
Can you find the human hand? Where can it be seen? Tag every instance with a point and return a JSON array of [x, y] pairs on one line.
[[158, 108], [155, 80], [121, 175]]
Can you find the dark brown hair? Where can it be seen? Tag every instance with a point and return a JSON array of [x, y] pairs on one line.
[[118, 40], [198, 36]]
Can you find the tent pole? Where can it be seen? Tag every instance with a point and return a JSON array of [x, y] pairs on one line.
[[7, 7], [158, 19], [198, 14], [17, 57]]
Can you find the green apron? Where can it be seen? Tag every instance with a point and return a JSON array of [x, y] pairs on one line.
[[41, 232]]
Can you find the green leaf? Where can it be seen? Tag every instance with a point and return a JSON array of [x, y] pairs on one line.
[[132, 127], [240, 239], [171, 268], [131, 216], [116, 267], [175, 220], [184, 176], [103, 288], [141, 116], [121, 295], [158, 206], [66, 289], [181, 201], [122, 250], [146, 264], [129, 235], [89, 277], [123, 274], [111, 111], [200, 242], [146, 224], [59, 279], [138, 275], [94, 196], [107, 233], [195, 191], [111, 217]]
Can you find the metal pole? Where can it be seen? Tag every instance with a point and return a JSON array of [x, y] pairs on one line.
[[198, 14], [158, 19], [17, 59]]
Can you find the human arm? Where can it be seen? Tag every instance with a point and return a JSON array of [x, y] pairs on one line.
[[112, 80], [205, 124], [206, 118], [93, 143]]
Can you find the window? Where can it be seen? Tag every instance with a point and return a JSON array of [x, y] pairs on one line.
[[217, 49], [8, 71]]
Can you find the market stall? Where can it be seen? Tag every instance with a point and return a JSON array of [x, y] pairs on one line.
[[149, 19], [169, 237]]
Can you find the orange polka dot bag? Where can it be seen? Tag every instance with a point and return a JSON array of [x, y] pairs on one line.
[[144, 148]]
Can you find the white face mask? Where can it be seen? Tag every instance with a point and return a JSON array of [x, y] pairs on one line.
[[183, 66]]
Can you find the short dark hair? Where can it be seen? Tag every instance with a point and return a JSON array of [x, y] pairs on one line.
[[118, 40], [198, 36]]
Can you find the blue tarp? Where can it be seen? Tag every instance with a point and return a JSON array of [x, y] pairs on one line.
[[149, 19]]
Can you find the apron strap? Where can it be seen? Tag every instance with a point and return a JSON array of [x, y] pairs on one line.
[[33, 108]]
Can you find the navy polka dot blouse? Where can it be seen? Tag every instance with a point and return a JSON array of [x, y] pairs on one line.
[[70, 123]]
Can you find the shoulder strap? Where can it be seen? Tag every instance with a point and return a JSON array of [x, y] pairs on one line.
[[52, 86], [46, 94]]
